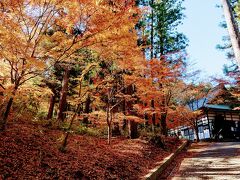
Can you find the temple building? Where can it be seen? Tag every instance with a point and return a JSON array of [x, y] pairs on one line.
[[218, 121]]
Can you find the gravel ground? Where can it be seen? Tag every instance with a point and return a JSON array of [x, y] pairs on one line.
[[211, 161]]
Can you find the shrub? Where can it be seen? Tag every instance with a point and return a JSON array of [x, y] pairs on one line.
[[153, 137], [83, 130]]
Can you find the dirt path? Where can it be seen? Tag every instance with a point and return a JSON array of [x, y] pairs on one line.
[[211, 161]]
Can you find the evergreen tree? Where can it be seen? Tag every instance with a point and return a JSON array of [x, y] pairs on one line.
[[159, 28], [231, 42]]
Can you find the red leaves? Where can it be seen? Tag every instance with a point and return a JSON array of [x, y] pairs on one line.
[[28, 151]]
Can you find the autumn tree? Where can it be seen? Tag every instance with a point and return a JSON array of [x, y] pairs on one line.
[[117, 49], [194, 97], [114, 86], [45, 34], [160, 40], [21, 51], [110, 92], [155, 89], [76, 102]]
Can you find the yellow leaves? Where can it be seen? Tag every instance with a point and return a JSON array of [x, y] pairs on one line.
[[43, 32], [3, 69], [197, 113], [33, 63], [99, 2]]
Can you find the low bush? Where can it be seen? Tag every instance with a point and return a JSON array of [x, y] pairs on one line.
[[96, 132], [153, 137]]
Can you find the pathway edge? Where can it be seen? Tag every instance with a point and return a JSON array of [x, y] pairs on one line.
[[154, 173]]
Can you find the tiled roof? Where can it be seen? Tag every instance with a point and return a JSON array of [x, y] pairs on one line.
[[218, 106]]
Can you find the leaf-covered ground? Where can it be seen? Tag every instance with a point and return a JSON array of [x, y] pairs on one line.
[[30, 151]]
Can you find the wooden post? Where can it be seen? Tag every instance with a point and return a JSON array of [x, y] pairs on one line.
[[210, 129]]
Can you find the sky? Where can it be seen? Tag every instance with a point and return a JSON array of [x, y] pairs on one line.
[[201, 26]]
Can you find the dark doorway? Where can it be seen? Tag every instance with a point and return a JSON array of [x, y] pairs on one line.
[[222, 128], [219, 129]]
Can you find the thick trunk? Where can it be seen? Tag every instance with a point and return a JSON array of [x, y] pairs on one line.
[[232, 29], [63, 98], [3, 122], [51, 107], [164, 124]]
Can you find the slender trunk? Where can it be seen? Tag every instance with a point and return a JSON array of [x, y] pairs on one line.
[[196, 130], [232, 29], [161, 48], [109, 124], [63, 98], [87, 109], [152, 29], [51, 107], [146, 119], [3, 122], [153, 116], [109, 134], [109, 116], [124, 112], [64, 142], [63, 147]]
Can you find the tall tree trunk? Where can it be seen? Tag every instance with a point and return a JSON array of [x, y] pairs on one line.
[[164, 124], [153, 116], [51, 106], [3, 122], [109, 134], [152, 31], [87, 109], [109, 123], [161, 48], [124, 112], [196, 130], [63, 146], [63, 97], [232, 29]]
